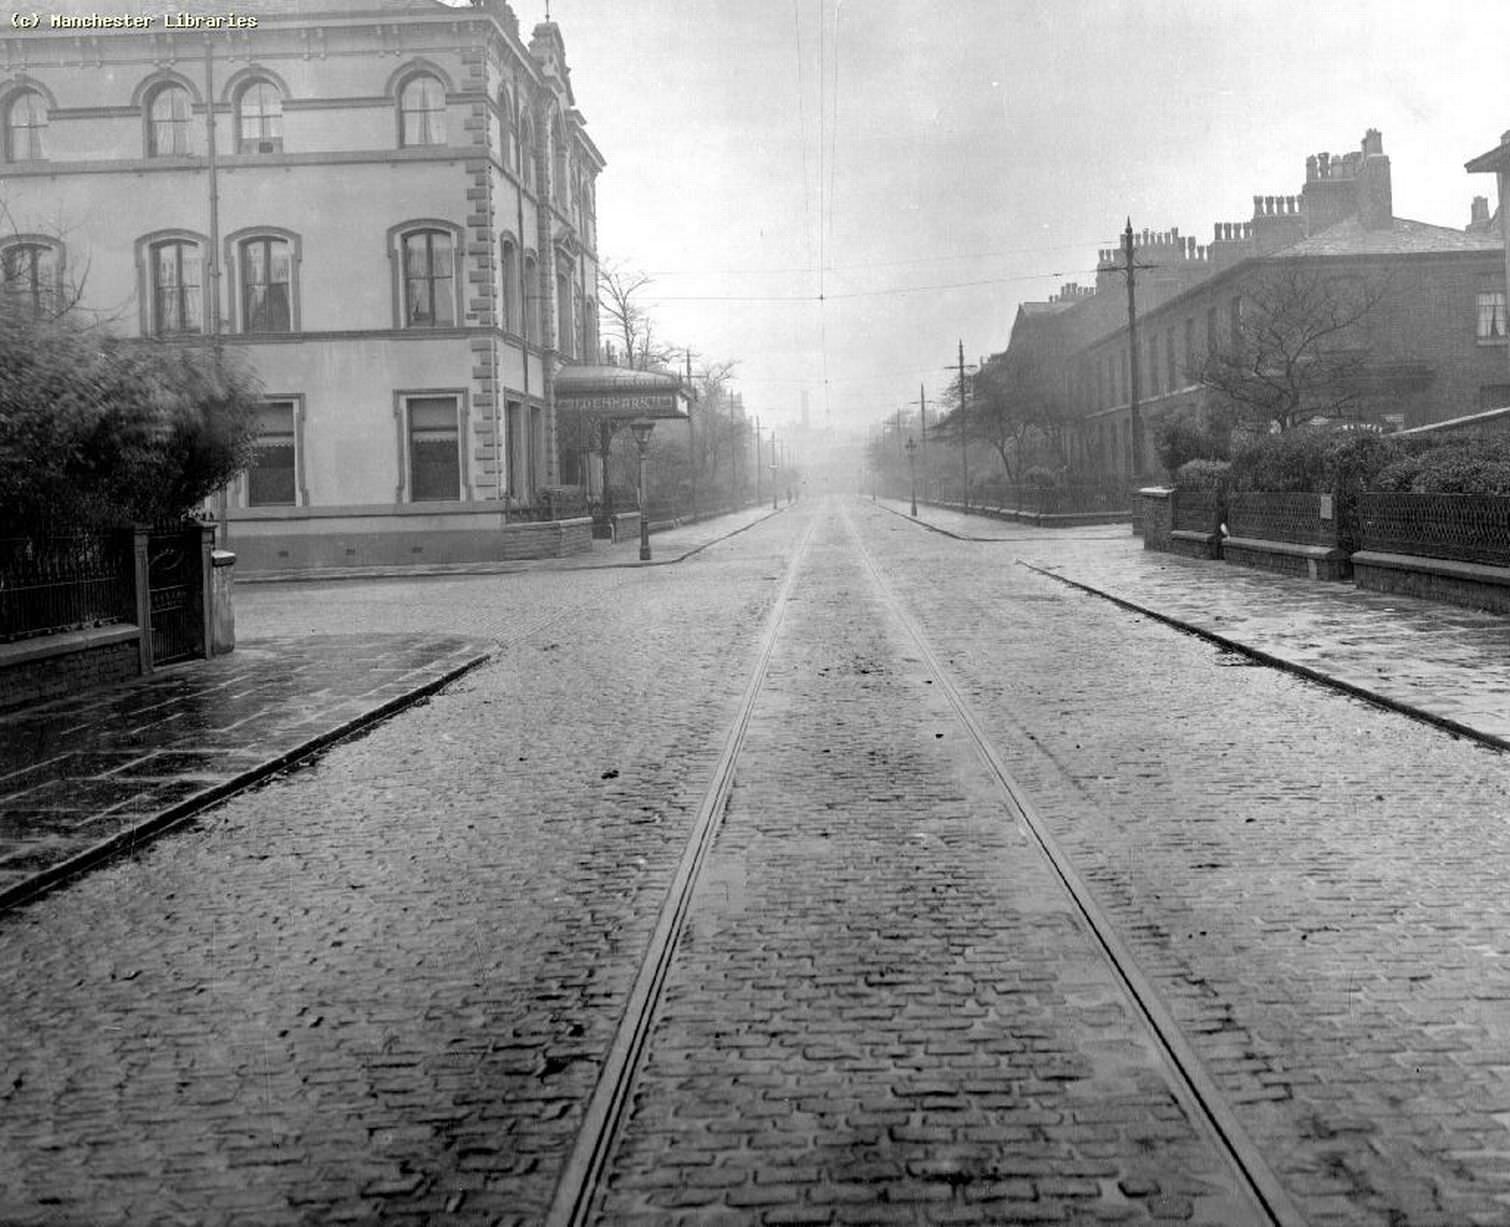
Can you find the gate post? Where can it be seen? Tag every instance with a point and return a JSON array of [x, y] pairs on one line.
[[206, 591], [143, 592]]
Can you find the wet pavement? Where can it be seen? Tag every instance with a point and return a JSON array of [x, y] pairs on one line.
[[1436, 662], [94, 775]]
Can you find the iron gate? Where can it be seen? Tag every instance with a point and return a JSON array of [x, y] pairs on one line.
[[175, 592]]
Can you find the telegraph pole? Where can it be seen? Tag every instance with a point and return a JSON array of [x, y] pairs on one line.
[[1135, 418], [923, 419], [964, 451], [691, 442]]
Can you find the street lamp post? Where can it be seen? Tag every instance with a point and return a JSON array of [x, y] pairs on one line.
[[775, 506], [642, 428], [912, 470]]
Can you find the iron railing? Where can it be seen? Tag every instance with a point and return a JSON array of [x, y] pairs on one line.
[[1462, 527], [1198, 511], [1293, 516], [53, 584]]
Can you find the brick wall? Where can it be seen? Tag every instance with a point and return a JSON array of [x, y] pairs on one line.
[[37, 678]]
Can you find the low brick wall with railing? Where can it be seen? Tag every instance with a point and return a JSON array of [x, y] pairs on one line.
[[1195, 519], [1294, 533], [91, 609], [1444, 547]]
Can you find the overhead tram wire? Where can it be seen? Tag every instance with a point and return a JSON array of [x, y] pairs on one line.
[[850, 294]]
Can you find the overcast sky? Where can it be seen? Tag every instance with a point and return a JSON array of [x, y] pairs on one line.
[[926, 167]]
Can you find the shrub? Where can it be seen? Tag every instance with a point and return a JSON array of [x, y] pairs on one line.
[[1202, 475], [1353, 460], [1043, 478], [1467, 464], [99, 431], [1295, 460], [1190, 435]]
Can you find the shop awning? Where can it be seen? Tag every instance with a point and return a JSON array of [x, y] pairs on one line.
[[618, 393]]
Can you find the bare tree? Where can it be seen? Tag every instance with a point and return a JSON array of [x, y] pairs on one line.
[[32, 269], [1298, 350], [1015, 404], [621, 295]]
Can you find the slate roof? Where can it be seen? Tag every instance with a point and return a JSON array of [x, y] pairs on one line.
[[1403, 237], [1497, 159]]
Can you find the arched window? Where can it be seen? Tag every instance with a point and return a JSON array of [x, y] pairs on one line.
[[31, 274], [509, 261], [429, 279], [532, 329], [25, 127], [527, 153], [168, 121], [259, 118], [508, 142], [565, 332], [265, 268], [560, 181], [422, 112], [177, 293]]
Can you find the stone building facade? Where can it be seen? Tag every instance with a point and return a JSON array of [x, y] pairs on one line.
[[387, 208]]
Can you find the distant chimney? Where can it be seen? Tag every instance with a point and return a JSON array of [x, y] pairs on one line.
[[1478, 215], [1376, 205]]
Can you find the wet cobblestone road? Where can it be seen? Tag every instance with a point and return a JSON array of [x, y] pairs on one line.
[[382, 988]]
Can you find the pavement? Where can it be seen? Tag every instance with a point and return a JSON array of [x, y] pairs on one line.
[[667, 546], [93, 776], [1434, 662]]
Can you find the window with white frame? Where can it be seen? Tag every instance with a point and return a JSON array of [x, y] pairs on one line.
[[265, 270], [422, 111], [32, 272], [259, 118], [169, 116], [25, 127], [176, 289], [434, 443], [1491, 324], [429, 278], [272, 479]]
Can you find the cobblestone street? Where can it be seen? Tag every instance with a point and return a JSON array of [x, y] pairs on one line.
[[843, 872]]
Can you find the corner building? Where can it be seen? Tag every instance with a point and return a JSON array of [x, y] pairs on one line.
[[387, 207]]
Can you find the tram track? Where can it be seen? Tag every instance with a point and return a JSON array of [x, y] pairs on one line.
[[1197, 1091], [584, 1167], [584, 1173]]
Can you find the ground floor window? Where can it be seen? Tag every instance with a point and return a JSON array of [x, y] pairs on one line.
[[513, 434], [272, 480], [434, 448]]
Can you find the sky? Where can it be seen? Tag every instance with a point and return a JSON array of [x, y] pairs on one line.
[[834, 194]]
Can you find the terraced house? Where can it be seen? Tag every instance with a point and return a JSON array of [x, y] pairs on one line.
[[387, 207], [1430, 346]]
